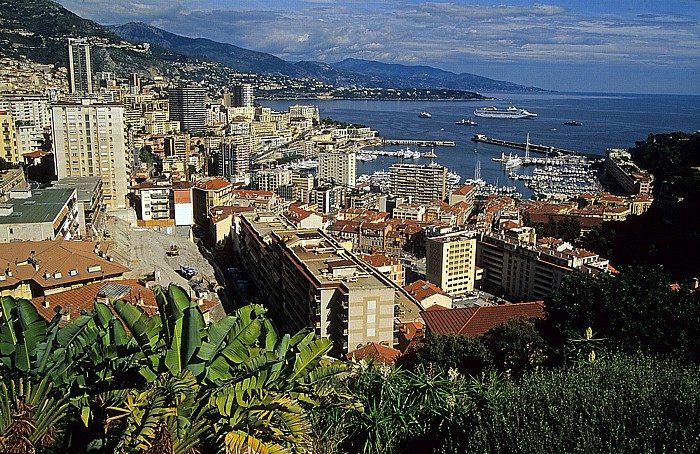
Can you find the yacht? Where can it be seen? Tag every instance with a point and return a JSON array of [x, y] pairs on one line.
[[510, 112], [425, 115], [468, 122]]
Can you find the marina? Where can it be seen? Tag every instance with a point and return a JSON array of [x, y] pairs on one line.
[[420, 143], [532, 146]]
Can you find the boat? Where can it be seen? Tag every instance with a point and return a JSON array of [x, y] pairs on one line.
[[468, 122], [425, 115], [510, 112], [573, 123]]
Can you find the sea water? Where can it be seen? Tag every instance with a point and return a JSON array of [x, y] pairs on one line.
[[608, 121]]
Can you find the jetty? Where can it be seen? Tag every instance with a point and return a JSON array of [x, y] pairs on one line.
[[419, 143], [532, 147]]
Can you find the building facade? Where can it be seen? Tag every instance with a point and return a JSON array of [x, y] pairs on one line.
[[89, 140], [188, 106], [79, 66], [338, 168], [450, 262], [420, 183]]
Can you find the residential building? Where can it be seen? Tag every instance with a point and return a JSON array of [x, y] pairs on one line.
[[518, 270], [241, 95], [337, 168], [309, 281], [31, 116], [156, 207], [233, 161], [79, 66], [207, 194], [89, 140], [10, 179], [375, 353], [182, 203], [420, 183], [272, 179], [187, 105], [35, 215], [90, 199], [8, 137], [307, 112], [38, 268], [633, 180], [450, 262], [388, 266], [429, 294]]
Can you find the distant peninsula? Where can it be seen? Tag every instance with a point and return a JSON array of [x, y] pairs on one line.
[[407, 94]]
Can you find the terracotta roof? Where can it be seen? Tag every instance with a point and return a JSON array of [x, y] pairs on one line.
[[476, 321], [411, 330], [213, 184], [58, 263], [83, 298], [375, 352], [421, 290], [36, 154], [378, 260], [464, 190]]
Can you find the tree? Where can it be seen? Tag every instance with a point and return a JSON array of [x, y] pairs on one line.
[[516, 347], [469, 355]]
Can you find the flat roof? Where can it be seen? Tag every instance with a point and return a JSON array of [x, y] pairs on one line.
[[43, 206], [86, 186]]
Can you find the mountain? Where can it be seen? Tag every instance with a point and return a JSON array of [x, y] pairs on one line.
[[345, 73], [427, 77], [235, 57], [39, 30]]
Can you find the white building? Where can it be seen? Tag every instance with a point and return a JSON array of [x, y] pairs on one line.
[[338, 167], [89, 140]]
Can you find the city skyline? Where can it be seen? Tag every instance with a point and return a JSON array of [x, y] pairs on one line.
[[599, 46]]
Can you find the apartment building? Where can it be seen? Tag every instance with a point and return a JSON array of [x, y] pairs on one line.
[[35, 215], [79, 66], [519, 270], [338, 168], [90, 199], [450, 262], [89, 140], [420, 183], [207, 194], [309, 281], [632, 179], [272, 179], [31, 117]]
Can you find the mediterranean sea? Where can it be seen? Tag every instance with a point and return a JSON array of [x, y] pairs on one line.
[[608, 121]]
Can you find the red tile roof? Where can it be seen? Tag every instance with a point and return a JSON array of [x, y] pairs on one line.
[[421, 289], [74, 301], [213, 184], [476, 321], [375, 352]]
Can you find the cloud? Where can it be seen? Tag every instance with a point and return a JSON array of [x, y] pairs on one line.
[[443, 34]]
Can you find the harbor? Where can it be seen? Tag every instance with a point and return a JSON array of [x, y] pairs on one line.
[[419, 143], [532, 146]]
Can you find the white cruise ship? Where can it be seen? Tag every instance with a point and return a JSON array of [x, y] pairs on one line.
[[510, 112]]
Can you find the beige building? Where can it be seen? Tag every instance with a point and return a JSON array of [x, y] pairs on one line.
[[339, 168], [207, 194], [309, 281], [619, 164], [418, 182], [35, 215], [450, 262], [521, 271], [8, 136], [89, 140]]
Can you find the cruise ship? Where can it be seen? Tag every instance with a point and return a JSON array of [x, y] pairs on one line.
[[510, 112]]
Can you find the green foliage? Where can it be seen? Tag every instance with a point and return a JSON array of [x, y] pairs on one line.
[[620, 404], [566, 228], [469, 355], [636, 309], [516, 347]]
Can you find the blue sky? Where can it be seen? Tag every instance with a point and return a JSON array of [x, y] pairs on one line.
[[642, 46]]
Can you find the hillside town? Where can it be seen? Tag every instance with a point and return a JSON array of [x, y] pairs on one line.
[[148, 181]]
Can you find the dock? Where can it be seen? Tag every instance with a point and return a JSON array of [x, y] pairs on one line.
[[532, 147], [419, 143]]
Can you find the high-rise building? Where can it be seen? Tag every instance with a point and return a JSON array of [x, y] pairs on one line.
[[187, 105], [8, 137], [240, 96], [31, 116], [89, 140], [80, 68], [233, 160], [449, 262], [337, 167], [419, 182]]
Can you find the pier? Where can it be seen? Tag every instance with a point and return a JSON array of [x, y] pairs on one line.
[[532, 146], [419, 143]]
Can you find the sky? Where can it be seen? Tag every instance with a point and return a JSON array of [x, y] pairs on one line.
[[612, 46]]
